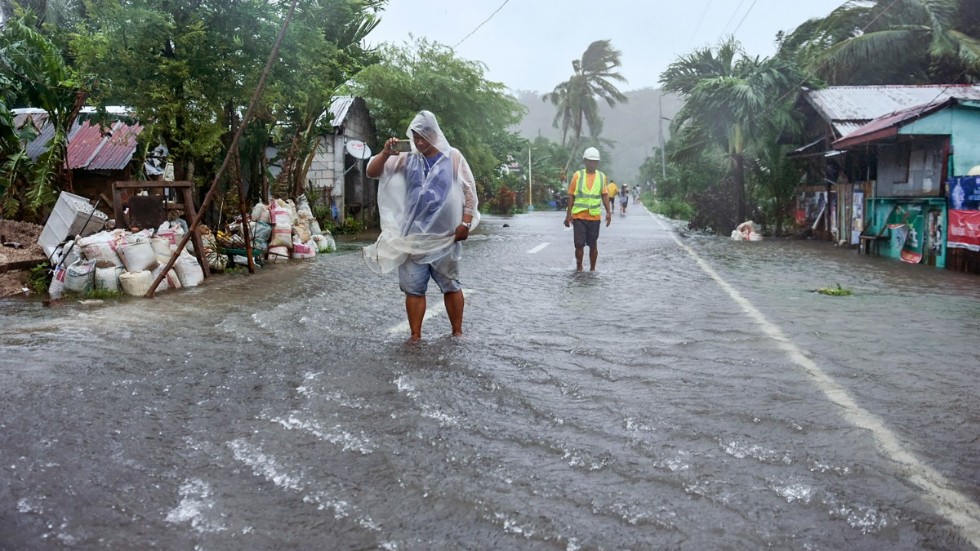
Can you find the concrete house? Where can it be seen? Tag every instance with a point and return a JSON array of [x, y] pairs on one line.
[[337, 171]]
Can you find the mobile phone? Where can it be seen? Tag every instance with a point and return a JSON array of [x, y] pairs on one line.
[[403, 146]]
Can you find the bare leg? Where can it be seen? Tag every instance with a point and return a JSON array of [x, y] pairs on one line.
[[579, 254], [454, 307], [415, 308], [593, 256]]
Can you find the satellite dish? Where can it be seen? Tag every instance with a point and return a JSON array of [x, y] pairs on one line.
[[358, 149]]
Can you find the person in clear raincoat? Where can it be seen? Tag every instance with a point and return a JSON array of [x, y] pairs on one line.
[[428, 206]]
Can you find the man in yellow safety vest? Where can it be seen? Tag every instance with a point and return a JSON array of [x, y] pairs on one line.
[[587, 196]]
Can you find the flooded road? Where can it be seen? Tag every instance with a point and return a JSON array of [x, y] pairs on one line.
[[691, 394]]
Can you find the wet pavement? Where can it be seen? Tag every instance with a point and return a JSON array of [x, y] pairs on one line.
[[693, 393]]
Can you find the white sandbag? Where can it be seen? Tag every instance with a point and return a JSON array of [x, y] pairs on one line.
[[161, 247], [136, 284], [57, 286], [138, 255], [66, 254], [170, 281], [188, 270], [107, 276], [260, 213], [279, 215], [324, 243], [303, 250], [278, 254], [282, 236], [80, 276], [102, 246]]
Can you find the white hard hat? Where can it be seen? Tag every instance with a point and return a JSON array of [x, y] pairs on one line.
[[591, 154]]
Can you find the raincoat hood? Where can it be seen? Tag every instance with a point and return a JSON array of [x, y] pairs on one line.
[[421, 201]]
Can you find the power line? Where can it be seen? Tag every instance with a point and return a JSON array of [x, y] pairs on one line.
[[698, 26], [481, 24], [743, 18], [732, 18]]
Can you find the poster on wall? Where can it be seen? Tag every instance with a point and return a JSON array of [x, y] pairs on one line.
[[965, 193], [964, 230], [810, 206], [857, 217], [964, 214]]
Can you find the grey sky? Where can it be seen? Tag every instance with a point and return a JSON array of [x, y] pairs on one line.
[[529, 44]]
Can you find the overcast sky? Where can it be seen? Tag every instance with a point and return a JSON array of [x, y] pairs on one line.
[[530, 44]]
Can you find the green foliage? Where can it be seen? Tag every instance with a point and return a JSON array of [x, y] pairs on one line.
[[732, 102], [834, 292], [350, 226], [190, 69], [475, 114], [39, 278], [503, 202], [775, 177], [34, 73], [889, 42], [674, 208], [102, 294]]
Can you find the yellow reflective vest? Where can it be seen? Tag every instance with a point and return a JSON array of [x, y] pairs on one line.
[[590, 200]]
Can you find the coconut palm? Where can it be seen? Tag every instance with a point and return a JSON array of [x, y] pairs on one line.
[[576, 98], [891, 42], [731, 101]]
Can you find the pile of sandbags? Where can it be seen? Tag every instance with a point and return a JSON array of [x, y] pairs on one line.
[[118, 260], [282, 230]]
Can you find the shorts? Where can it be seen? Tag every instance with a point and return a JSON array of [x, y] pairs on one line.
[[413, 279], [586, 232]]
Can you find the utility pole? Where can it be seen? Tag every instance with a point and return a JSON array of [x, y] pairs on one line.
[[660, 124], [530, 196]]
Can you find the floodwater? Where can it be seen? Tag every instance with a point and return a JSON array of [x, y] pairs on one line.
[[694, 393]]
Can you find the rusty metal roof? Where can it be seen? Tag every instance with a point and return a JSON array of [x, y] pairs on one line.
[[92, 148], [849, 107], [88, 148]]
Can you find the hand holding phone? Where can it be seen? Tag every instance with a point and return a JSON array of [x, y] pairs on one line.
[[402, 146]]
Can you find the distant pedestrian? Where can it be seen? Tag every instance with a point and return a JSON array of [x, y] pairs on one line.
[[587, 196], [624, 199]]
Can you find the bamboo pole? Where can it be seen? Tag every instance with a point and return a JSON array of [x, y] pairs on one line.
[[232, 148]]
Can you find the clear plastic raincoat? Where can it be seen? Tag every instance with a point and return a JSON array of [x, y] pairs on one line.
[[421, 202]]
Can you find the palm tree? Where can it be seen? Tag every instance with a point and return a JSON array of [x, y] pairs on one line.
[[891, 42], [731, 101], [576, 98]]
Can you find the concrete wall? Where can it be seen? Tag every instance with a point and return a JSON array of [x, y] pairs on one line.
[[338, 176]]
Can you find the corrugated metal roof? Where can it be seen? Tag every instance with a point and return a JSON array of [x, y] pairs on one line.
[[339, 106], [888, 125], [849, 107], [117, 150], [87, 147], [39, 119]]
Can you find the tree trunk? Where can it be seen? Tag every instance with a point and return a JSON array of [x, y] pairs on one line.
[[738, 180]]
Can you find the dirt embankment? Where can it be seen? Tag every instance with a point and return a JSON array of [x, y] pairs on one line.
[[19, 251]]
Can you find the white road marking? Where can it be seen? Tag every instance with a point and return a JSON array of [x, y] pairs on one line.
[[437, 308], [539, 248], [958, 508]]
